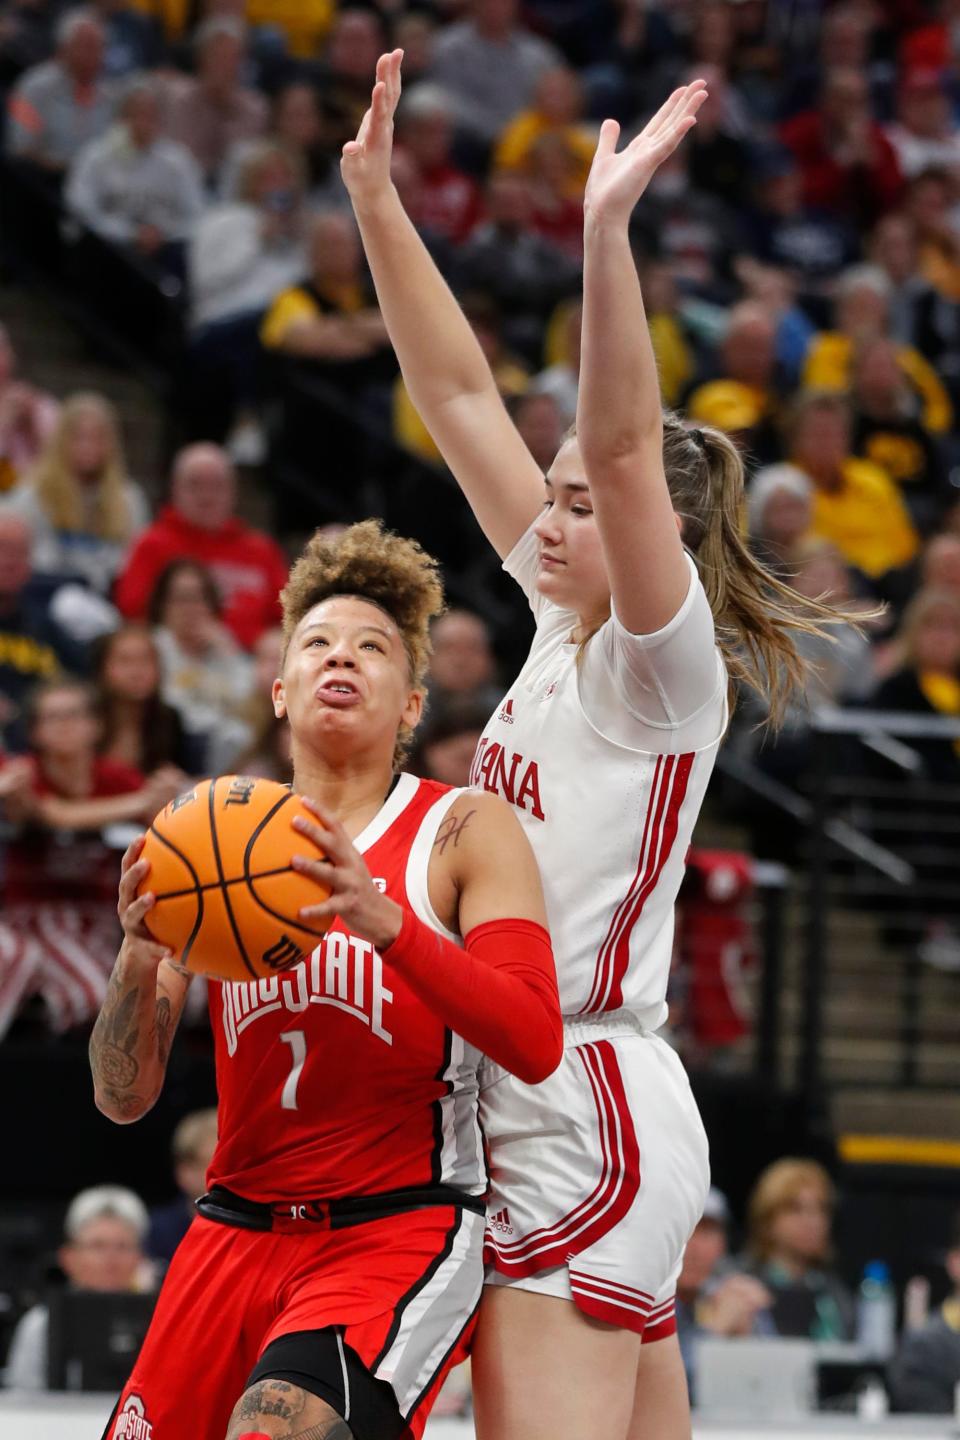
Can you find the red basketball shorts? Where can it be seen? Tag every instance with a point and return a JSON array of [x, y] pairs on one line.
[[401, 1291]]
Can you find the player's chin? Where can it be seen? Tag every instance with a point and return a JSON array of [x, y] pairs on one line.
[[553, 584]]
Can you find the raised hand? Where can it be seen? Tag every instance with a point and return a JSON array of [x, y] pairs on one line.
[[365, 164], [617, 180]]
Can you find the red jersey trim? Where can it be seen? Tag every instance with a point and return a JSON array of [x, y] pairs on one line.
[[668, 791]]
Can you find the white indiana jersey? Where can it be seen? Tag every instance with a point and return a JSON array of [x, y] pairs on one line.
[[606, 762]]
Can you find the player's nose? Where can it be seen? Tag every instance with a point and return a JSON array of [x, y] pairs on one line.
[[339, 655]]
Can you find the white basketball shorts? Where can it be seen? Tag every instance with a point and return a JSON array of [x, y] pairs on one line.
[[597, 1176]]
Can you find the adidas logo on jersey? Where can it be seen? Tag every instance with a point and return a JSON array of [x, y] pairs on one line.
[[506, 714], [501, 1222]]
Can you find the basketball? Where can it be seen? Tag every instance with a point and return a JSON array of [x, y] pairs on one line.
[[226, 895]]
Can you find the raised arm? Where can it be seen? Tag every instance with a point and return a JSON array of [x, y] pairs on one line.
[[130, 1043], [619, 416], [446, 374]]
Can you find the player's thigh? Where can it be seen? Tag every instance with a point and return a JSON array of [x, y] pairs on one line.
[[278, 1408], [661, 1405], [541, 1368]]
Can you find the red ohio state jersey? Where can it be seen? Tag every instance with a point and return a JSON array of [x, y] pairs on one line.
[[333, 1078]]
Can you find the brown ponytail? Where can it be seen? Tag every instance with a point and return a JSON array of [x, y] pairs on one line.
[[755, 613]]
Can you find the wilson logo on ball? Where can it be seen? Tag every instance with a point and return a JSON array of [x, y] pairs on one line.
[[281, 955]]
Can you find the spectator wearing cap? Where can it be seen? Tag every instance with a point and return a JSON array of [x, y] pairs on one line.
[[861, 314], [856, 505], [59, 106], [28, 417], [133, 187], [848, 165], [490, 65], [449, 203], [713, 1298], [789, 1218], [200, 523], [212, 110], [924, 134], [924, 1374], [192, 1147], [102, 1250]]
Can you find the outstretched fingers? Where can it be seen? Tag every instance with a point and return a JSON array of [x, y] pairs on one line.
[[681, 105]]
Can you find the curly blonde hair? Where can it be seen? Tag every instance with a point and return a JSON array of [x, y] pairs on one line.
[[373, 564]]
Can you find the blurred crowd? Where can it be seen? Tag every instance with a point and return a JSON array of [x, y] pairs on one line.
[[777, 1275], [800, 257]]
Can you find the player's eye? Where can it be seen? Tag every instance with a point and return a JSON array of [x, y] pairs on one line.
[[316, 640], [547, 505], [372, 645], [580, 510]]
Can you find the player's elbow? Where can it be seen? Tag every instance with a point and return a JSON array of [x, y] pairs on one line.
[[539, 1062], [122, 1109]]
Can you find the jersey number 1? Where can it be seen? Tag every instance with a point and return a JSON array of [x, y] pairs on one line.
[[298, 1054]]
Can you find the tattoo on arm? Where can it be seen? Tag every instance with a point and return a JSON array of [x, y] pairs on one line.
[[280, 1400], [114, 1038], [161, 1028], [451, 829]]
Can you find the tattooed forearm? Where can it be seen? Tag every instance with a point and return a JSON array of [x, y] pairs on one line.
[[451, 829], [130, 1043]]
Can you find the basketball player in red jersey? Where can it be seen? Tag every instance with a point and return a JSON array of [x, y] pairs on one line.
[[331, 1277]]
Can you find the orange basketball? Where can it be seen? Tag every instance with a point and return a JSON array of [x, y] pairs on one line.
[[227, 898]]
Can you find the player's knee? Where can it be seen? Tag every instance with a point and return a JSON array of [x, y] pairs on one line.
[[299, 1412]]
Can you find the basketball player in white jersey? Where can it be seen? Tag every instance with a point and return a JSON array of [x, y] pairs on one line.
[[646, 603]]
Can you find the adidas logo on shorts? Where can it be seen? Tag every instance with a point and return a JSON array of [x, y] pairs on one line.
[[501, 1222]]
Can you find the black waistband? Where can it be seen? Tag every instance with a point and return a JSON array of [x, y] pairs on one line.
[[224, 1206]]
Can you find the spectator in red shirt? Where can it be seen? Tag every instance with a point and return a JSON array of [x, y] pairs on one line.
[[199, 523], [58, 926], [449, 199], [849, 166]]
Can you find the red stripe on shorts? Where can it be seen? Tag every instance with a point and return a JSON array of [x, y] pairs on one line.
[[610, 1199]]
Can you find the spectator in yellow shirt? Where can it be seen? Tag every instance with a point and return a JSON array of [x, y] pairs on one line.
[[856, 506], [331, 316], [556, 110], [742, 399], [862, 314]]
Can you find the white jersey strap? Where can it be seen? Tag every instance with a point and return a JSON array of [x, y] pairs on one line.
[[417, 877]]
